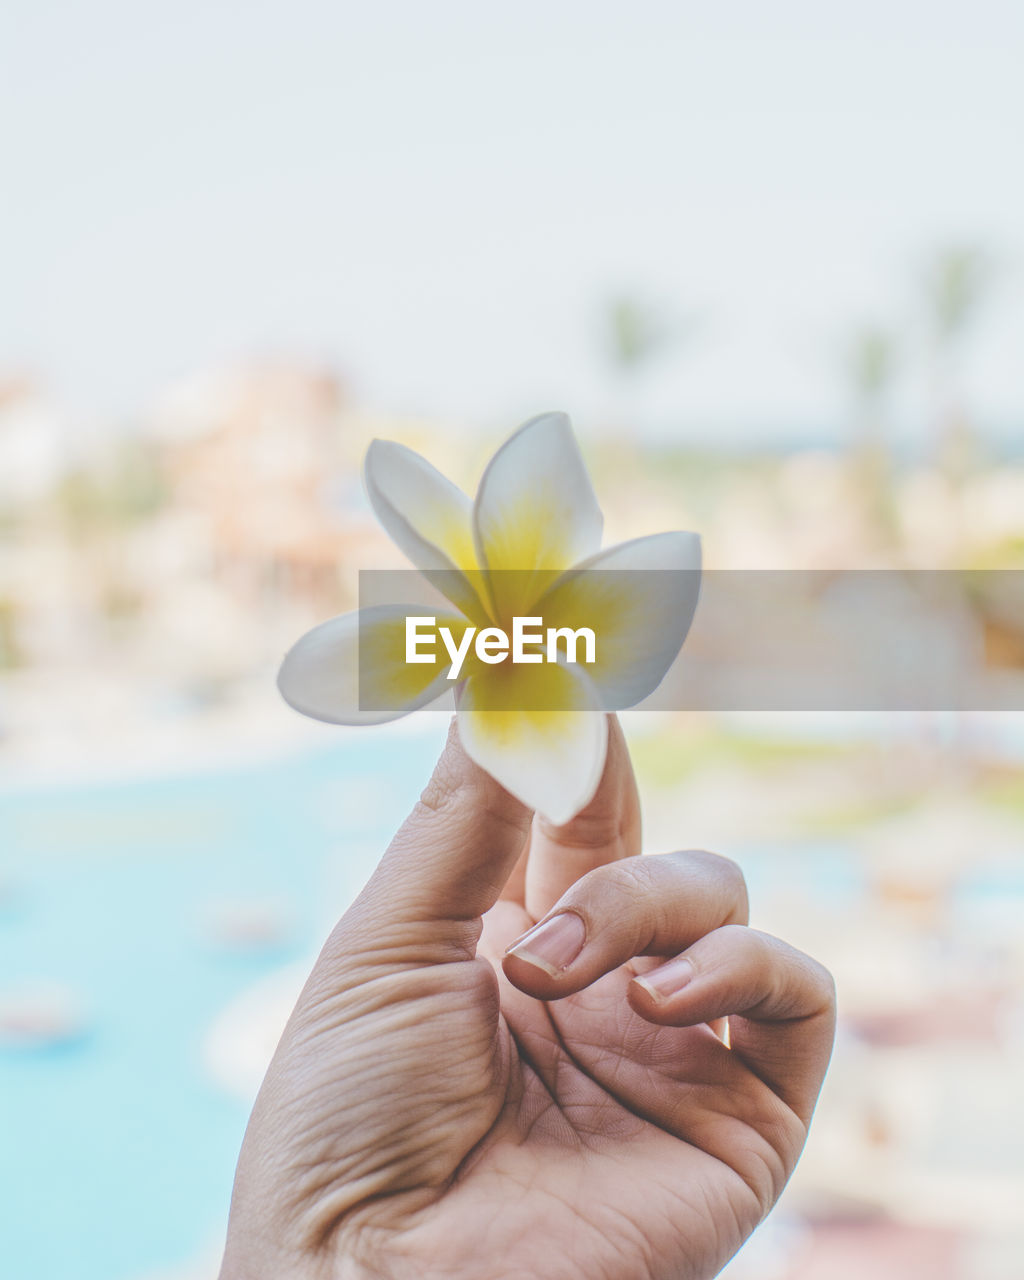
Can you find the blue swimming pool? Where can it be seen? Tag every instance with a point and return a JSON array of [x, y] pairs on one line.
[[116, 1149]]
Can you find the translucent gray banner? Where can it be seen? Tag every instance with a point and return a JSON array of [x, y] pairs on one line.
[[755, 640]]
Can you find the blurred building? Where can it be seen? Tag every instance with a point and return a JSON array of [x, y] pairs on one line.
[[256, 461]]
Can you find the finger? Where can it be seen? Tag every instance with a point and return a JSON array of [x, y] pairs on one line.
[[653, 905], [780, 1004], [514, 888], [451, 857], [607, 830]]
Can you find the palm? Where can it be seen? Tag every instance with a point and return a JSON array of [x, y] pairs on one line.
[[630, 1140]]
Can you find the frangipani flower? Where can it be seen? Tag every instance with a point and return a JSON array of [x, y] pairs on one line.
[[527, 547]]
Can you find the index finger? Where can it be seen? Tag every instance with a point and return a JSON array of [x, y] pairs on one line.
[[607, 830], [691, 906]]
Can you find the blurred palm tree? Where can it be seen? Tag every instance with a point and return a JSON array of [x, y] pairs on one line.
[[632, 332], [871, 363], [637, 331], [955, 285]]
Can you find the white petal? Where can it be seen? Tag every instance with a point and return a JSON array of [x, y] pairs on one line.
[[535, 509], [426, 516], [351, 669], [639, 599], [552, 760]]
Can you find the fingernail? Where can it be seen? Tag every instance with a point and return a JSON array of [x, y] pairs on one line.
[[553, 945], [668, 979]]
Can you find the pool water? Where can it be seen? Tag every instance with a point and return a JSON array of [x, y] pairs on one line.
[[116, 1149]]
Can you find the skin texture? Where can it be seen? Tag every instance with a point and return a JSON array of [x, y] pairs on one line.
[[438, 1109]]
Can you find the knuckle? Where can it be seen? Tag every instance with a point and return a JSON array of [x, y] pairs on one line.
[[729, 870], [742, 941], [824, 982], [729, 875], [459, 791], [453, 778], [597, 827], [810, 985], [621, 900], [444, 786], [621, 884]]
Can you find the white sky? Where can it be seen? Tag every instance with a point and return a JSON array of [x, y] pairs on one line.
[[436, 197]]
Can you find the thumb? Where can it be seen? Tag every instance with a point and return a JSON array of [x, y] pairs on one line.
[[451, 857]]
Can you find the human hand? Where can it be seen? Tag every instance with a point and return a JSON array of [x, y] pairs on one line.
[[437, 1108]]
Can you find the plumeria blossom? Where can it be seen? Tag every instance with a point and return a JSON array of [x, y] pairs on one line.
[[529, 544]]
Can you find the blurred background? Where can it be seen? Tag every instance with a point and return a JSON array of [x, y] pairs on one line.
[[768, 258]]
